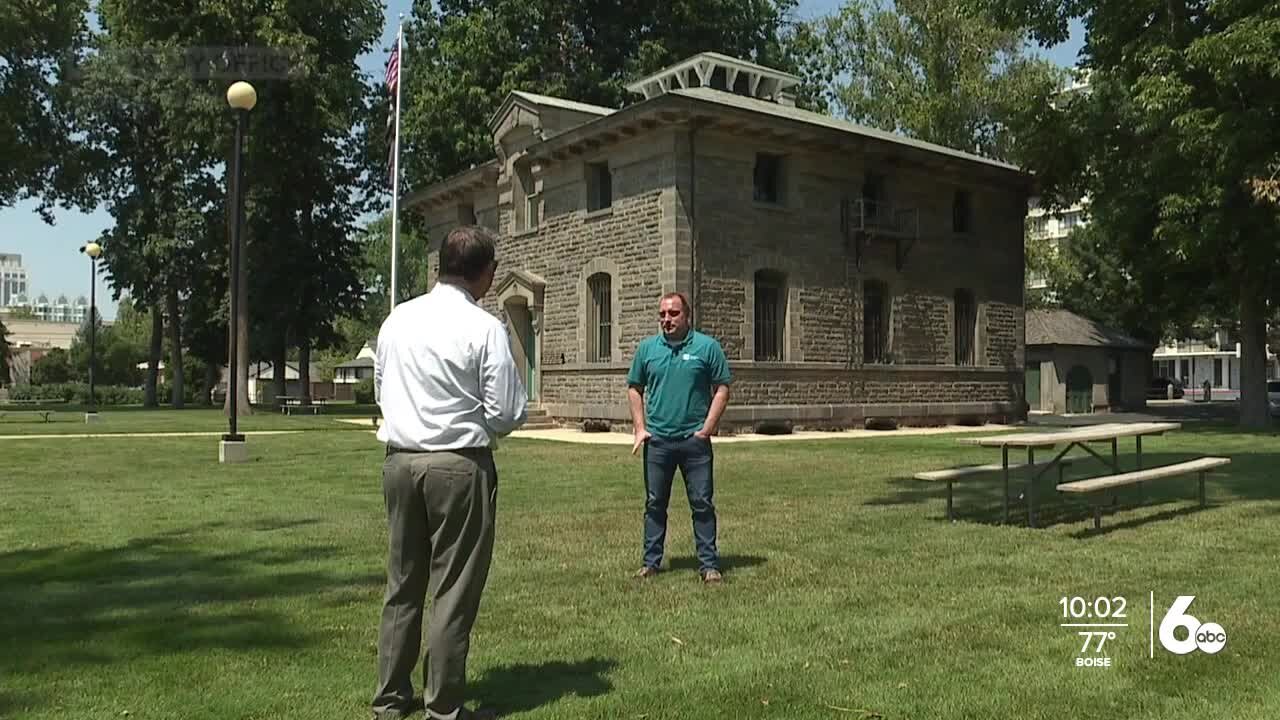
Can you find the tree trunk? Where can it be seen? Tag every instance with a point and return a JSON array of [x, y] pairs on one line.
[[178, 389], [304, 369], [153, 357], [1254, 411], [210, 382], [280, 365]]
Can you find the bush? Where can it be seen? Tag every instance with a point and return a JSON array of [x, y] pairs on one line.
[[77, 393], [364, 392]]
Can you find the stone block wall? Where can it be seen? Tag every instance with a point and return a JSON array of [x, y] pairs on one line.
[[684, 218]]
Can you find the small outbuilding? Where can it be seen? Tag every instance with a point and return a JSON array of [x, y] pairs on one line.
[[1077, 366]]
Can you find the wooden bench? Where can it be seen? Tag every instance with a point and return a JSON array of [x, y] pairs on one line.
[[1107, 482], [43, 413], [950, 475]]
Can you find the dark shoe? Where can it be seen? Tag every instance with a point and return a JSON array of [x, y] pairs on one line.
[[416, 705], [646, 572], [712, 577], [482, 714]]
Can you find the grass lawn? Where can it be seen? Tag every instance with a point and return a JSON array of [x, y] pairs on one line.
[[140, 579], [69, 420]]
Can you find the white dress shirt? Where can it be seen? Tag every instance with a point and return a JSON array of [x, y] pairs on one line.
[[444, 376]]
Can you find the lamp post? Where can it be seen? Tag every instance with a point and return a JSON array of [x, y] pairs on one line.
[[241, 97], [93, 250]]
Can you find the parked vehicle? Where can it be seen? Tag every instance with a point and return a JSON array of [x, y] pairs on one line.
[[1273, 397], [1159, 389]]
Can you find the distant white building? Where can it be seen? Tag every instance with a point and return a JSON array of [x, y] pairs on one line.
[[1192, 362], [1056, 227], [61, 310], [13, 280], [357, 369]]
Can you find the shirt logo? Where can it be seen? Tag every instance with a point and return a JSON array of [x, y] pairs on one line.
[[687, 357]]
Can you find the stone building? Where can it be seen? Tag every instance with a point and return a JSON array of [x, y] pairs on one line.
[[849, 273]]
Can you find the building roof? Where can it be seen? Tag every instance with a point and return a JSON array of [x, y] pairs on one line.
[[676, 100], [699, 70], [563, 104], [1061, 327], [360, 362], [809, 117]]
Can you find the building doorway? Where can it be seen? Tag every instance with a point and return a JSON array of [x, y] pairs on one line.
[[523, 343], [1079, 390]]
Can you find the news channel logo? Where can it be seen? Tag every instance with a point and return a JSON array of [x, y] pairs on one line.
[[1102, 621]]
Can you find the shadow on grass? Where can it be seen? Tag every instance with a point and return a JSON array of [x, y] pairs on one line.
[[1148, 517], [978, 499], [73, 606], [727, 562], [527, 686]]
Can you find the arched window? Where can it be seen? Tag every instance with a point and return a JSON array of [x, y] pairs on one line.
[[599, 318]]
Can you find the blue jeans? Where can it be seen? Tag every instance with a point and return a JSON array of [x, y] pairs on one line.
[[694, 458]]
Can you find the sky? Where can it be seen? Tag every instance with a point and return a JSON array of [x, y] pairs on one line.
[[51, 253]]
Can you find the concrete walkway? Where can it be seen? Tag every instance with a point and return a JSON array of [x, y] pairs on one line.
[[85, 436], [573, 435]]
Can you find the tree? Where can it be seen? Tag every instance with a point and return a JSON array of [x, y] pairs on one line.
[[53, 367], [937, 70], [462, 57], [6, 355], [40, 43], [1169, 142]]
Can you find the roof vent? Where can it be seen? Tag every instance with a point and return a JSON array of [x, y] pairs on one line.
[[720, 72]]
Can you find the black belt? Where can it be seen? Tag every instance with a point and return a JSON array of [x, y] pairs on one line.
[[481, 451]]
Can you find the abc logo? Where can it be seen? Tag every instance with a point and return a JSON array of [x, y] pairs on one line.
[[1207, 637]]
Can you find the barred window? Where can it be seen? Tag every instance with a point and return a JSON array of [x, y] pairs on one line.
[[966, 327], [770, 315], [875, 322], [599, 318]]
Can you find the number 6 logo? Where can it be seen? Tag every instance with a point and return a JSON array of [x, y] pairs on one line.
[[1209, 637]]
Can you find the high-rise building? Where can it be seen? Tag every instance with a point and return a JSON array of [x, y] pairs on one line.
[[13, 280]]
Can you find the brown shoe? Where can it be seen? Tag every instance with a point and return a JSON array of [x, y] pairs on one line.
[[712, 577], [646, 572]]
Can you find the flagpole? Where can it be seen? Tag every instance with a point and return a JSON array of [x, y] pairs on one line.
[[395, 163]]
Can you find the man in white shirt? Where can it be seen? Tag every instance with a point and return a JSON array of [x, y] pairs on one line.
[[448, 388]]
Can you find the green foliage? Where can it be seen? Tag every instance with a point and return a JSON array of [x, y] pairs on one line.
[[78, 393], [40, 43], [1169, 141], [364, 391], [937, 70], [462, 57], [52, 368], [5, 354], [117, 354]]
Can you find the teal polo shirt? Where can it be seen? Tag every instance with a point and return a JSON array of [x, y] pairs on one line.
[[677, 379]]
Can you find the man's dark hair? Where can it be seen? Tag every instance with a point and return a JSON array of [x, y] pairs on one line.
[[467, 252]]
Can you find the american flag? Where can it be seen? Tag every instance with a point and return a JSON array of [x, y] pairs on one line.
[[392, 80], [393, 69]]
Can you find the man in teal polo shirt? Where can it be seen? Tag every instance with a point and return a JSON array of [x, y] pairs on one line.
[[678, 387]]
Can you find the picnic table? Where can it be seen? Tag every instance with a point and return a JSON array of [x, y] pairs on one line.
[[1069, 440], [22, 405], [289, 404]]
